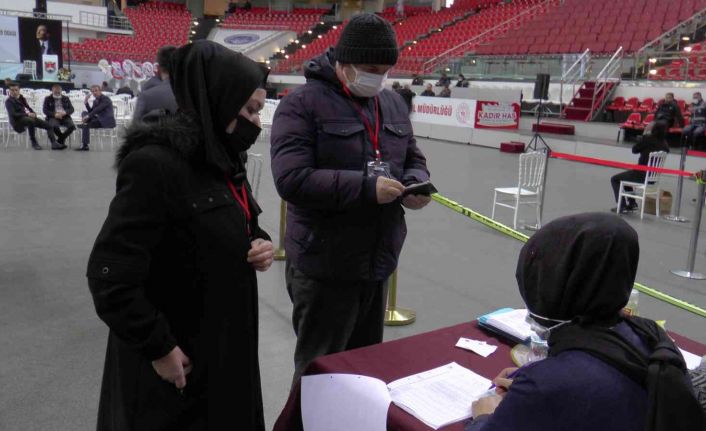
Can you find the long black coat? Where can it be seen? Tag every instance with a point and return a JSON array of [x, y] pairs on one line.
[[169, 269]]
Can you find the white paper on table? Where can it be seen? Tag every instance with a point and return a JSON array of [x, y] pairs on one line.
[[439, 396], [480, 347], [692, 361], [332, 402]]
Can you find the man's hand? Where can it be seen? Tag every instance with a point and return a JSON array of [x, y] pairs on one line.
[[261, 254], [32, 115], [88, 96], [84, 120], [57, 116], [416, 202], [388, 190], [173, 367], [503, 381], [485, 405]]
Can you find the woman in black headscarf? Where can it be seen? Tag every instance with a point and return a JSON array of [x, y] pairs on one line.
[[172, 272], [605, 371]]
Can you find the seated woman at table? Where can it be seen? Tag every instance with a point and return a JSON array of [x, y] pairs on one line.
[[605, 371]]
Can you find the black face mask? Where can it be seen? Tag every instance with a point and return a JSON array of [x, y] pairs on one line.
[[243, 137]]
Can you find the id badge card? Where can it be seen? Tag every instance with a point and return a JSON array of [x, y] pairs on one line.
[[377, 168]]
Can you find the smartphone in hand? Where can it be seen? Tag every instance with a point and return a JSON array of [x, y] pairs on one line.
[[425, 189]]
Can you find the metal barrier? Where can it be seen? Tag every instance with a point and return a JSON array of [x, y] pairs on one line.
[[689, 271]]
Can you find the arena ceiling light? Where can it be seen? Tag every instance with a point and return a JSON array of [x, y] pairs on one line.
[[309, 31], [196, 23], [218, 20], [335, 27], [687, 49], [303, 46], [686, 38], [287, 56], [653, 71], [319, 36], [653, 60], [296, 41], [267, 61]]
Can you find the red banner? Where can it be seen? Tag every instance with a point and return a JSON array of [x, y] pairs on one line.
[[497, 115]]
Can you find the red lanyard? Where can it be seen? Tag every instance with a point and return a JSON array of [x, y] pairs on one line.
[[373, 133], [242, 199]]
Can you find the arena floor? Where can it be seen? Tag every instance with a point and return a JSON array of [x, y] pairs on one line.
[[452, 269]]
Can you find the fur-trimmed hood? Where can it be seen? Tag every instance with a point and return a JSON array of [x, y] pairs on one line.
[[178, 132]]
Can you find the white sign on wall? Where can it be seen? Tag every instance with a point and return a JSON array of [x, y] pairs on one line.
[[9, 40], [444, 111], [240, 40]]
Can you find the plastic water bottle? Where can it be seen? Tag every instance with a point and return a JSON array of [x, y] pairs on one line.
[[539, 349], [631, 309]]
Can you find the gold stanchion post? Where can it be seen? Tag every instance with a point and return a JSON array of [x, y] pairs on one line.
[[280, 253], [395, 316]]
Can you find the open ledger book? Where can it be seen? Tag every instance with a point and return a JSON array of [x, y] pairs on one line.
[[437, 397], [508, 322]]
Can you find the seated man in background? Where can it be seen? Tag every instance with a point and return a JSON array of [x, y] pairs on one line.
[[416, 80], [667, 112], [407, 94], [125, 90], [462, 81], [605, 371], [428, 92], [58, 109], [21, 117], [445, 92], [98, 116], [644, 146], [698, 120], [444, 80]]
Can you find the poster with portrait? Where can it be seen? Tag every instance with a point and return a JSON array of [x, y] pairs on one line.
[[39, 37]]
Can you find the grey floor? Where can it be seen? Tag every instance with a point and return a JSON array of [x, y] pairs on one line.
[[452, 270]]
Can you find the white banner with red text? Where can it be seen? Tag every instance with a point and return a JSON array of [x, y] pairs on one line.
[[465, 113]]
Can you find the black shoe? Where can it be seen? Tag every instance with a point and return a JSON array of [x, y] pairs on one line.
[[631, 207], [36, 146], [58, 146], [82, 148], [623, 210]]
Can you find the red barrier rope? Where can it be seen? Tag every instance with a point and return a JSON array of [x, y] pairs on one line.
[[696, 153], [621, 165]]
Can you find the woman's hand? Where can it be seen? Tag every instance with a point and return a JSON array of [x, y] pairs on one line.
[[503, 381], [485, 405], [173, 367], [261, 254]]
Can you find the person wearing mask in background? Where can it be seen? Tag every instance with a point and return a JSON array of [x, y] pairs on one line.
[[668, 113], [697, 127], [606, 370], [462, 82], [158, 99], [445, 92], [173, 270], [58, 109], [428, 92], [343, 151], [98, 116], [656, 141], [21, 117], [444, 80], [417, 80]]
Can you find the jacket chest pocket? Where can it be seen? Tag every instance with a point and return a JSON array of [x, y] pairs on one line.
[[341, 145], [394, 141], [215, 218]]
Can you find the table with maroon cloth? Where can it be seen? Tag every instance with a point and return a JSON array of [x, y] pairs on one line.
[[401, 358]]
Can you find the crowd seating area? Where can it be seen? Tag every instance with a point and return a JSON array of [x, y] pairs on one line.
[[452, 40], [304, 53], [599, 25], [155, 24], [298, 21], [680, 69]]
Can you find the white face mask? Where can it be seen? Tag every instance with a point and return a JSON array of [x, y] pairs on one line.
[[366, 84], [541, 330], [697, 101]]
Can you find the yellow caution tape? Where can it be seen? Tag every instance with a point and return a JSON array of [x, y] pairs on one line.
[[487, 221]]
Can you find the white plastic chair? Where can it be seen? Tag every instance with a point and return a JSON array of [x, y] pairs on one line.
[[529, 187], [650, 187]]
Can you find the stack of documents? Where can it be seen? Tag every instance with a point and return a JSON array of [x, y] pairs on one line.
[[508, 322]]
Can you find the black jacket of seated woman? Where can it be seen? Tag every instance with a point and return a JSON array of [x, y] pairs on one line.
[[173, 270]]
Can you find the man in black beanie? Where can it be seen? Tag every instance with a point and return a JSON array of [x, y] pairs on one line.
[[343, 152]]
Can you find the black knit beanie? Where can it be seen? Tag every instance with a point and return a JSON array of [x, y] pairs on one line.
[[367, 39]]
